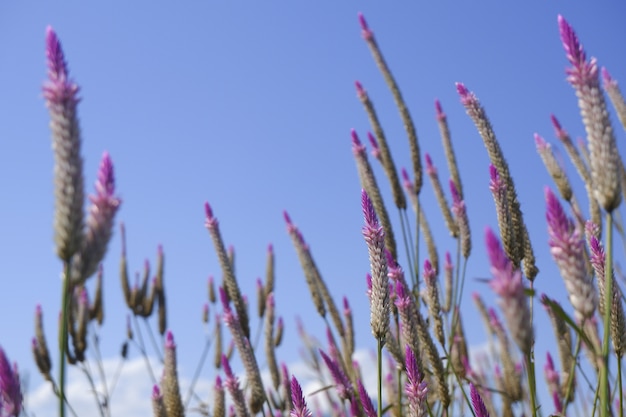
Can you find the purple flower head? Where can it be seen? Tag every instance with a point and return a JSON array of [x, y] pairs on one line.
[[344, 386], [299, 403], [366, 401], [430, 275], [558, 130], [357, 147], [607, 80], [211, 221], [10, 391], [59, 87], [368, 281], [560, 227], [374, 143], [406, 181], [581, 70], [225, 300], [346, 306], [477, 402], [169, 340], [156, 393], [430, 168], [403, 300], [541, 143], [416, 388], [360, 91], [467, 97], [448, 262], [371, 220], [440, 114], [506, 281], [552, 376], [366, 32]]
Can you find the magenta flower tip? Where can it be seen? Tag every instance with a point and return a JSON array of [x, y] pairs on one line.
[[218, 383], [540, 142], [573, 48], [38, 310], [405, 175], [270, 248], [430, 168], [56, 60], [439, 110], [477, 402], [346, 304], [362, 21], [456, 198], [606, 77], [462, 90], [224, 299], [372, 140], [208, 211], [360, 91], [448, 259], [368, 210], [497, 257], [356, 142], [169, 340], [226, 365], [270, 300], [549, 361], [493, 173], [287, 218], [556, 124], [106, 177], [156, 392]]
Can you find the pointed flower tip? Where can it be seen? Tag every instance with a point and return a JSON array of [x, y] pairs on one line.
[[368, 210], [606, 77], [360, 91], [461, 89], [477, 402], [270, 248], [456, 198], [287, 218], [208, 211], [439, 110], [362, 21], [372, 140], [430, 168], [226, 365], [156, 392], [169, 340], [540, 142], [224, 299], [405, 174], [573, 48], [355, 138], [54, 53]]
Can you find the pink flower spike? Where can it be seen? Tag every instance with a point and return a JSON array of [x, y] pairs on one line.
[[466, 95], [456, 198], [224, 299], [366, 32], [430, 168], [360, 91], [300, 408], [210, 220], [560, 226], [429, 273], [477, 402], [606, 77], [57, 67], [366, 401], [540, 143], [573, 48], [374, 143], [169, 340], [440, 114]]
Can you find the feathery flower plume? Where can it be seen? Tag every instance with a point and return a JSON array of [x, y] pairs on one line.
[[270, 352], [10, 390], [554, 168], [507, 283], [343, 384], [407, 120], [614, 93], [477, 402], [385, 154], [247, 355], [460, 213], [61, 94], [300, 408], [520, 247], [349, 339], [566, 246], [432, 299], [552, 376], [448, 269], [158, 409], [169, 384], [444, 130], [270, 275], [104, 206], [40, 346], [441, 198], [374, 237], [369, 184], [604, 155], [319, 290], [234, 293], [375, 148], [232, 385], [366, 401], [416, 389]]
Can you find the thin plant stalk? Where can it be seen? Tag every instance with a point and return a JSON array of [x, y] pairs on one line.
[[380, 376], [619, 387], [406, 237], [532, 383], [196, 374], [608, 292], [65, 312], [570, 379]]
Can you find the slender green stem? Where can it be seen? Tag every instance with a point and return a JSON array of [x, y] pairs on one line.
[[608, 292], [380, 377], [142, 349], [532, 383], [619, 386], [65, 313], [405, 238], [196, 374], [570, 378]]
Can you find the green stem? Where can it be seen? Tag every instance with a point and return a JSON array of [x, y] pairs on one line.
[[619, 386], [65, 307], [532, 384], [380, 377], [608, 292], [570, 379]]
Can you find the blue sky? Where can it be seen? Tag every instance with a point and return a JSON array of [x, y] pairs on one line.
[[249, 107]]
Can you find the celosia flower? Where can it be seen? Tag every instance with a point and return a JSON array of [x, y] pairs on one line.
[[374, 237], [61, 95], [104, 206], [507, 283], [366, 401], [300, 408], [604, 155], [477, 402], [171, 390], [566, 245], [10, 391], [343, 384], [232, 385], [416, 388]]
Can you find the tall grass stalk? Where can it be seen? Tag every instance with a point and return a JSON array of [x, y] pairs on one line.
[[63, 334], [608, 298]]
